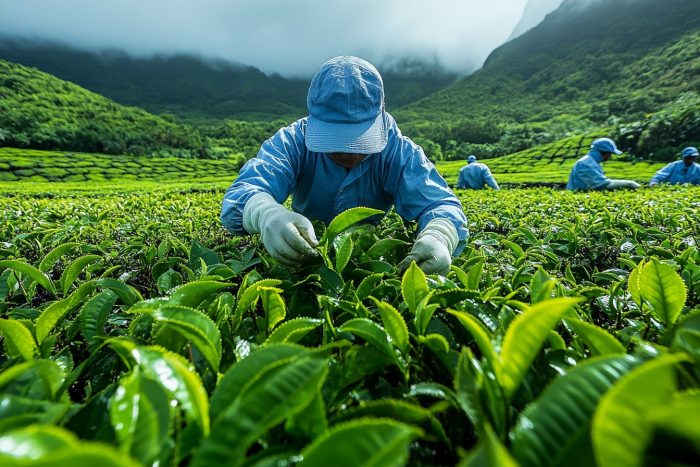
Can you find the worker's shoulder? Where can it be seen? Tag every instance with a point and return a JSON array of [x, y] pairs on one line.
[[586, 159], [401, 147]]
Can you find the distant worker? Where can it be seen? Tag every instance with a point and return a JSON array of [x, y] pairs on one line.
[[587, 173], [686, 170], [348, 152], [475, 176]]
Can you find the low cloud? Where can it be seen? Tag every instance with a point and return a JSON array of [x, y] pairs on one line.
[[290, 38]]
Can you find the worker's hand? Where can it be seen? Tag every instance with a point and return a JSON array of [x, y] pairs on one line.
[[433, 248], [289, 237], [614, 184]]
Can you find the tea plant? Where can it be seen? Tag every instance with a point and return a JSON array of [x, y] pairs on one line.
[[136, 328]]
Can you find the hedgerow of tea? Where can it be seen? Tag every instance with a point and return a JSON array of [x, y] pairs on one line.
[[137, 331]]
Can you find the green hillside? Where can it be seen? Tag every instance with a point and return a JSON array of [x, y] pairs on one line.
[[197, 90], [41, 111], [582, 68]]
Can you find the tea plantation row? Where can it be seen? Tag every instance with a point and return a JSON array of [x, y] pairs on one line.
[[137, 331], [44, 166], [549, 163]]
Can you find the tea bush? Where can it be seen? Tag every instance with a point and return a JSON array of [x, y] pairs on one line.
[[138, 329]]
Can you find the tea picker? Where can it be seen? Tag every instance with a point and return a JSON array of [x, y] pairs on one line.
[[348, 152], [587, 173], [475, 176], [686, 170]]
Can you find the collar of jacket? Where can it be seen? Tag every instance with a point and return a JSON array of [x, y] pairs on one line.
[[596, 155]]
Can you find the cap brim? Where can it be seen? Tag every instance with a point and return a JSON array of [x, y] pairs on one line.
[[618, 152], [368, 137]]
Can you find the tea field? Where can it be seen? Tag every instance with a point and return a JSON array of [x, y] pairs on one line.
[[550, 164], [137, 331], [53, 166]]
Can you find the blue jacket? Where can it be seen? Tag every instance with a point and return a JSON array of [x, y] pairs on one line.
[[475, 176], [400, 175], [587, 173], [677, 173]]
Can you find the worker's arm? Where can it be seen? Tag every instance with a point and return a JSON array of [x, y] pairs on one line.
[[661, 175], [273, 172], [590, 176], [419, 192], [615, 184], [461, 183], [695, 175], [490, 181]]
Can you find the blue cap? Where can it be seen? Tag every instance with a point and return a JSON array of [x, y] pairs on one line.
[[471, 159], [690, 152], [605, 145], [346, 108]]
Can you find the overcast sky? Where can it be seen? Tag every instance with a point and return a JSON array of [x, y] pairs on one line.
[[288, 37]]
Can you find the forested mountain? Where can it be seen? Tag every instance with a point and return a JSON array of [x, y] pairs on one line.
[[632, 55], [38, 110], [41, 111], [194, 88], [589, 63], [630, 66]]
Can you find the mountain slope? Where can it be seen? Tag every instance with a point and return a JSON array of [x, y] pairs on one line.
[[534, 13], [194, 88], [41, 111], [588, 58]]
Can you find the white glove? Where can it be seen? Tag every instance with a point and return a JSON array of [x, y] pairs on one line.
[[433, 248], [289, 237], [622, 184]]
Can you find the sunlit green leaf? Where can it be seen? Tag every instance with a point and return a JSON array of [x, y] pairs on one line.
[[193, 293], [394, 324], [53, 446], [277, 392], [346, 219], [31, 272], [372, 333], [414, 286], [598, 340], [526, 336], [55, 312], [273, 305], [555, 429], [621, 428], [343, 254], [18, 340], [174, 375], [365, 442], [664, 289], [71, 273], [293, 330], [194, 326]]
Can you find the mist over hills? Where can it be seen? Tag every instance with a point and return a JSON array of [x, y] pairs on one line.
[[534, 13], [589, 64], [195, 88], [586, 58]]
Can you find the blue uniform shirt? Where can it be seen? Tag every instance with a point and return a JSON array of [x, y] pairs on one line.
[[475, 176], [677, 173], [400, 175], [587, 173]]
